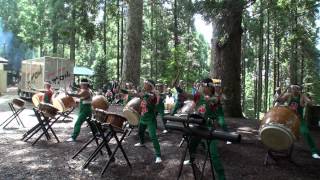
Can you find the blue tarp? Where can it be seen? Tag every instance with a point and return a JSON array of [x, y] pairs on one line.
[[82, 71]]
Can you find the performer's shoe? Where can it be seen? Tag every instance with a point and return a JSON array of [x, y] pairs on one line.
[[139, 145], [71, 140], [315, 156], [186, 162], [158, 160], [228, 142], [164, 131]]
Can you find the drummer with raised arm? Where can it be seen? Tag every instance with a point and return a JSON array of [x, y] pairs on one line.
[[148, 117], [297, 101], [85, 107], [206, 104]]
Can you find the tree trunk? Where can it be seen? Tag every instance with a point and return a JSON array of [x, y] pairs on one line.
[[266, 63], [105, 37], [132, 58], [118, 40], [293, 66], [243, 72], [121, 43], [226, 55], [55, 42], [73, 35], [260, 61]]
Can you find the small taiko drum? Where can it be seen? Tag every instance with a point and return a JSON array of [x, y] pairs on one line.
[[132, 111], [279, 128], [113, 119], [18, 103], [100, 102], [63, 102], [48, 110], [37, 99], [187, 108]]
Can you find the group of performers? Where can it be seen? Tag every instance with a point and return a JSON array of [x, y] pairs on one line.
[[208, 98]]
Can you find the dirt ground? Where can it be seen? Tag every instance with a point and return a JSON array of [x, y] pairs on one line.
[[52, 160]]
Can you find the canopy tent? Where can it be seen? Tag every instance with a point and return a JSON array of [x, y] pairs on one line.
[[2, 60], [82, 71]]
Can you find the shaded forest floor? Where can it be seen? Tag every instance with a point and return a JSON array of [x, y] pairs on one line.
[[51, 160]]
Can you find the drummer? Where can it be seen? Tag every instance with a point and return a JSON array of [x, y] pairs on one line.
[[220, 113], [85, 107], [277, 94], [161, 96], [148, 118], [47, 92], [180, 98], [206, 104], [297, 101]]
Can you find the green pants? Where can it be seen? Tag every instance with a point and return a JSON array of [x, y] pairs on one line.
[[84, 113], [304, 130], [220, 117], [160, 111], [151, 125], [214, 155]]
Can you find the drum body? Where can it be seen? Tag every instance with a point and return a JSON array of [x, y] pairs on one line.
[[48, 110], [132, 111], [37, 98], [188, 107], [63, 102], [113, 119], [100, 102], [18, 103], [279, 128]]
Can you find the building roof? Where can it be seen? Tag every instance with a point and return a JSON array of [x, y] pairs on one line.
[[82, 71]]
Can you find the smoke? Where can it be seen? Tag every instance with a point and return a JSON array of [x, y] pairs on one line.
[[13, 49]]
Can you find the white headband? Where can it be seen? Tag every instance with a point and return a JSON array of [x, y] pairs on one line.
[[147, 82]]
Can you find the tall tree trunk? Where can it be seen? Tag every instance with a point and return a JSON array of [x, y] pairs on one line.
[[73, 34], [293, 66], [302, 69], [132, 58], [226, 49], [105, 37], [266, 70], [274, 62], [243, 72], [118, 40], [260, 60], [55, 42], [152, 39], [121, 43]]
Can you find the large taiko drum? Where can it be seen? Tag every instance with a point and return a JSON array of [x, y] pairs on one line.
[[279, 128], [132, 111], [48, 110], [187, 108], [115, 120], [63, 102], [100, 102], [37, 98]]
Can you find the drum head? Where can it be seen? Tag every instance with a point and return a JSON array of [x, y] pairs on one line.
[[132, 116], [48, 110], [18, 103], [57, 103], [276, 137], [116, 120], [36, 99]]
